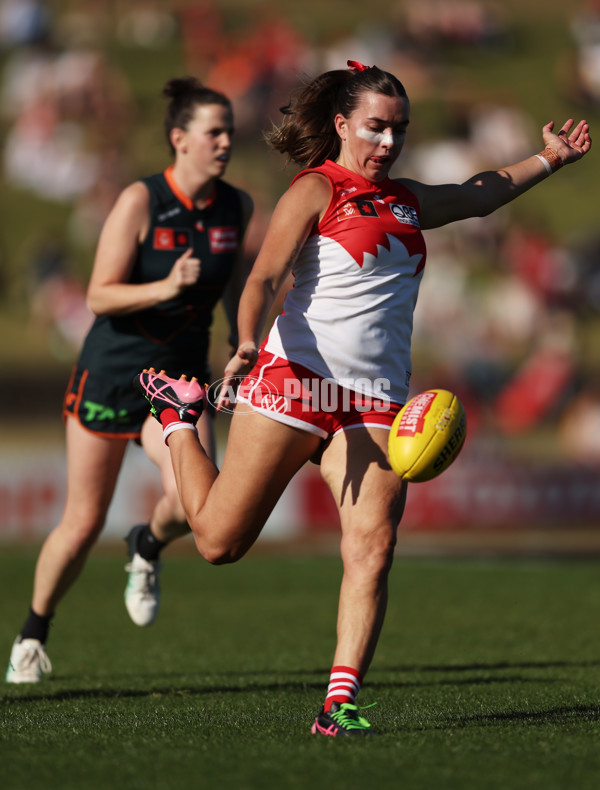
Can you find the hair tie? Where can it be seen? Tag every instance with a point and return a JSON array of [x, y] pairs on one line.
[[356, 66]]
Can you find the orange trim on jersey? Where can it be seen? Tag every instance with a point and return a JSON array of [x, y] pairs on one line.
[[180, 195]]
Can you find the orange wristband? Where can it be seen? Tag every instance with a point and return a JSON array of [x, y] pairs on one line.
[[552, 161]]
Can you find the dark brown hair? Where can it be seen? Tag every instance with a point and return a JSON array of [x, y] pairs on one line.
[[307, 133], [185, 94]]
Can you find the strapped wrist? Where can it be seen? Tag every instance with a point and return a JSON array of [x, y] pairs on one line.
[[550, 159]]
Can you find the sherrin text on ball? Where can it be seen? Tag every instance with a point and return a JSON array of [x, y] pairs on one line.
[[427, 435]]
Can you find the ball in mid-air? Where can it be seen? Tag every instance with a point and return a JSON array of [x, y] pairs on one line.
[[427, 435]]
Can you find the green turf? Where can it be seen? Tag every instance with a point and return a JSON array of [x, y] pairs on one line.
[[487, 676]]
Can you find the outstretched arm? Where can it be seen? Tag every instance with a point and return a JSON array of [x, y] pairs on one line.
[[485, 192]]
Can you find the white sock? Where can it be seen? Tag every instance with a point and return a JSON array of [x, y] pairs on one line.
[[176, 426]]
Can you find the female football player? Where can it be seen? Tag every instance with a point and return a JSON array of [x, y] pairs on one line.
[[353, 239], [168, 252]]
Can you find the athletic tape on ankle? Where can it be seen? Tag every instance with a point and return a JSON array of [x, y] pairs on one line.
[[176, 426]]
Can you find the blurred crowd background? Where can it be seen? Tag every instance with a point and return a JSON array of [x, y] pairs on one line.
[[509, 313]]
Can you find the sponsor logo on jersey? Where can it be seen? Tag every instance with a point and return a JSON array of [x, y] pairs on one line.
[[407, 215], [172, 238], [354, 209], [170, 213], [223, 239]]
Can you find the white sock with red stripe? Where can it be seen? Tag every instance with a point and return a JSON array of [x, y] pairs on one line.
[[344, 685]]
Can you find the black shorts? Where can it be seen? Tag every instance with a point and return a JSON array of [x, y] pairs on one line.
[[103, 407], [114, 410]]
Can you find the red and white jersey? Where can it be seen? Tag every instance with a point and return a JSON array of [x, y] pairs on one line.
[[349, 315]]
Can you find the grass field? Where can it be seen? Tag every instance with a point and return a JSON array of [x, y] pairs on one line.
[[487, 676]]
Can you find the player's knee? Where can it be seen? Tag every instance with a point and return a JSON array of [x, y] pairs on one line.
[[80, 537], [370, 550]]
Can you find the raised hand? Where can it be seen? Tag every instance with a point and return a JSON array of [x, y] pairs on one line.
[[571, 142]]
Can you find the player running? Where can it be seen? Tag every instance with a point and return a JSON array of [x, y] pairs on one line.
[[170, 249]]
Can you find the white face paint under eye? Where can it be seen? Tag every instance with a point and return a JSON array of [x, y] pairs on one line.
[[378, 138]]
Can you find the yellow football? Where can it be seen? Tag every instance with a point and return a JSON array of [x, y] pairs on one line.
[[427, 435]]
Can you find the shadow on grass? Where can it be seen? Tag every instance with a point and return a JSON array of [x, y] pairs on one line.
[[302, 685]]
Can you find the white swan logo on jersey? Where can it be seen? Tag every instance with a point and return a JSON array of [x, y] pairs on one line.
[[364, 226], [392, 255], [357, 208], [405, 214]]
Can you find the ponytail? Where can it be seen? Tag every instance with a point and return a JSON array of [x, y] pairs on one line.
[[185, 94], [307, 134]]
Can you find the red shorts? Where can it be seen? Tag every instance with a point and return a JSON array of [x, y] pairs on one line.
[[290, 393]]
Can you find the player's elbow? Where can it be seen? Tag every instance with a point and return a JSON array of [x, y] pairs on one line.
[[94, 303]]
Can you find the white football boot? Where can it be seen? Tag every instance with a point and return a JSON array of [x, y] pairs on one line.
[[28, 662], [142, 594]]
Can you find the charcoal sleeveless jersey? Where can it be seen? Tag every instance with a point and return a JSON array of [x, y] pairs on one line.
[[174, 335], [349, 315]]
